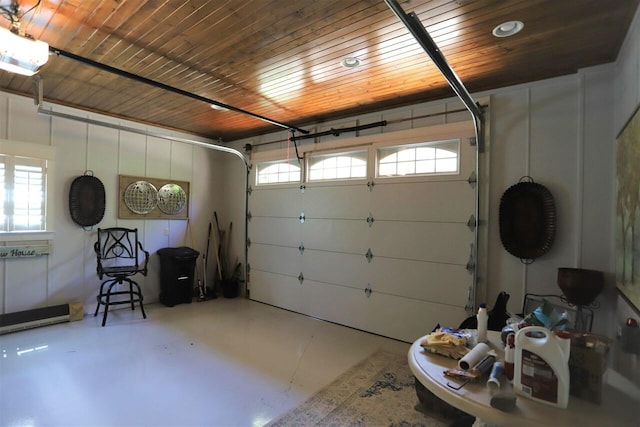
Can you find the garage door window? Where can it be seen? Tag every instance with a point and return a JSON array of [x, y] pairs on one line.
[[334, 166], [278, 172], [419, 159]]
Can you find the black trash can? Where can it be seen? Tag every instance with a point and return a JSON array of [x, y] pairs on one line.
[[177, 268]]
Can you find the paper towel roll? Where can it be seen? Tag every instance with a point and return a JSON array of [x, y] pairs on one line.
[[472, 358]]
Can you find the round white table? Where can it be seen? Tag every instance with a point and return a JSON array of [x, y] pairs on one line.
[[618, 408]]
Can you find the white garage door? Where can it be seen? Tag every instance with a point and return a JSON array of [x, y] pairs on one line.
[[384, 254]]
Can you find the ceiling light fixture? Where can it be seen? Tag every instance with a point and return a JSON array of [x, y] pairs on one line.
[[21, 54], [218, 107], [350, 62], [508, 28]]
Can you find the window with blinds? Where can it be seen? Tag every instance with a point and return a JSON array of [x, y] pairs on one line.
[[22, 193]]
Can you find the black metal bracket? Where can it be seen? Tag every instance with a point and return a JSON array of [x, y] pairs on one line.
[[415, 27], [292, 138], [338, 132], [123, 73]]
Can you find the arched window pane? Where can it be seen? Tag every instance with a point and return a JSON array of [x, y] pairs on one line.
[[277, 172], [338, 166], [419, 159]]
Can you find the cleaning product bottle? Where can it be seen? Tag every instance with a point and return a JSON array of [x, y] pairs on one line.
[[509, 356], [483, 320], [541, 368]]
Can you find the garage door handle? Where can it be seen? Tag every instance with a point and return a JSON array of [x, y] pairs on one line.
[[473, 179], [471, 263], [368, 290], [472, 223]]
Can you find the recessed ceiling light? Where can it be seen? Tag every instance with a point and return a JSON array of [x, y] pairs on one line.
[[350, 62], [508, 28]]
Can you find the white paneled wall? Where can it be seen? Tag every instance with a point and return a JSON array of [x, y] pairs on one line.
[[68, 273], [559, 132]]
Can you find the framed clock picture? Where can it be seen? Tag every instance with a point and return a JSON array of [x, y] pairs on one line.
[[152, 198]]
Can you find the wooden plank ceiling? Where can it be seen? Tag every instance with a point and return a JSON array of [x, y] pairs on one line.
[[281, 58]]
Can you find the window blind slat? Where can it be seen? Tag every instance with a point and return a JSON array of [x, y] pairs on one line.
[[22, 193]]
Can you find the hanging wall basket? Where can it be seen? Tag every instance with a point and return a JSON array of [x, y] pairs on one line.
[[527, 220], [87, 200]]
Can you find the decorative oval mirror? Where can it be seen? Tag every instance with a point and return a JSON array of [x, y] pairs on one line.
[[87, 200], [527, 220]]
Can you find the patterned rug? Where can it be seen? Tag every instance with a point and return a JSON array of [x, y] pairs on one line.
[[379, 391]]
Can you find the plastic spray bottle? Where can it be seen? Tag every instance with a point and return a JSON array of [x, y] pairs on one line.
[[483, 320]]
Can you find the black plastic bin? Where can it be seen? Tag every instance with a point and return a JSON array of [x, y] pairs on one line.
[[177, 267], [230, 288]]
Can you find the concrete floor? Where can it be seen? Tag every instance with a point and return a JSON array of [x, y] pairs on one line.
[[223, 362]]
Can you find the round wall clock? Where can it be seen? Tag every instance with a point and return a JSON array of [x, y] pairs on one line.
[[171, 199]]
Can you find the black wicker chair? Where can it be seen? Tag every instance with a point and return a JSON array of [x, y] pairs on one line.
[[120, 256]]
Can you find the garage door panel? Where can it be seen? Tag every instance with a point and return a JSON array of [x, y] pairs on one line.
[[335, 235], [437, 242], [275, 201], [409, 319], [345, 269], [275, 231], [419, 239], [330, 302], [428, 281], [340, 202], [423, 201], [275, 259], [401, 318], [275, 289]]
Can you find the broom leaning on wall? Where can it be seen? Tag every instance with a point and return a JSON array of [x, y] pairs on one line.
[[228, 274]]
